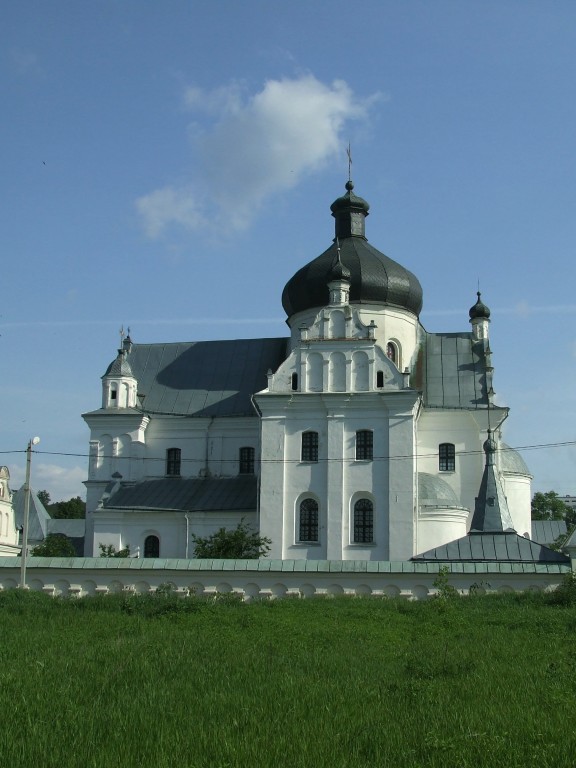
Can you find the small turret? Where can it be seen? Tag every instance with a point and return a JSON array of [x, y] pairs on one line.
[[491, 513], [119, 386], [338, 281], [480, 319]]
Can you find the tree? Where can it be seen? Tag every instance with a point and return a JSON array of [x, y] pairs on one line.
[[44, 497], [549, 506], [72, 509], [109, 550], [54, 545], [240, 543]]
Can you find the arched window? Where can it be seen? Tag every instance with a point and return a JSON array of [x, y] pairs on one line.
[[363, 522], [446, 457], [151, 546], [310, 446], [308, 522], [392, 352], [364, 444], [246, 461], [173, 461]]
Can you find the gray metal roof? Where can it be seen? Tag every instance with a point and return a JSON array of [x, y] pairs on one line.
[[393, 568], [374, 278], [204, 378], [507, 546], [436, 489], [512, 461], [38, 517], [207, 494], [547, 531], [450, 371]]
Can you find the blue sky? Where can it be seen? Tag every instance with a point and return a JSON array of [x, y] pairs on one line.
[[169, 165]]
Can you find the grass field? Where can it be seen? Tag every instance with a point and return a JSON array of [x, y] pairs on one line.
[[164, 681]]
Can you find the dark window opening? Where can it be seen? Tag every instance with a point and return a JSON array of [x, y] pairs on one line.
[[446, 457], [380, 379], [294, 382], [363, 522], [308, 527], [246, 461], [151, 546], [364, 444], [113, 394], [310, 446], [173, 461]]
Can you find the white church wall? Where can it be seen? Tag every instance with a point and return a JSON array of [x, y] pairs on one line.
[[460, 429], [439, 525], [174, 530], [518, 491]]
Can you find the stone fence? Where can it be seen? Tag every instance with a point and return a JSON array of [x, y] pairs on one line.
[[260, 579]]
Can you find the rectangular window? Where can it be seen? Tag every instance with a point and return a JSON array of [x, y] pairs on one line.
[[363, 522], [364, 444], [308, 528], [246, 462], [173, 459], [310, 446], [446, 457]]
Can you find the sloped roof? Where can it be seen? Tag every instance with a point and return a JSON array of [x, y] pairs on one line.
[[506, 546], [204, 378], [451, 371], [547, 531], [38, 517], [206, 494]]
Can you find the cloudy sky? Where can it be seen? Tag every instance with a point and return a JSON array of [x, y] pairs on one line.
[[168, 166]]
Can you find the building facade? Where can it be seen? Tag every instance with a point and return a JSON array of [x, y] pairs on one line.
[[361, 436]]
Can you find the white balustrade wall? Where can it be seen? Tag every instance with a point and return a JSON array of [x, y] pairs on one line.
[[270, 579]]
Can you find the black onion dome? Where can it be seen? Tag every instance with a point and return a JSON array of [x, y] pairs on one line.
[[479, 310], [374, 278]]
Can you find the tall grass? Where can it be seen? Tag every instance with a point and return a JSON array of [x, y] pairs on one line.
[[141, 681]]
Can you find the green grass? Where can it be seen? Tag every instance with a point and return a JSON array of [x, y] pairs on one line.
[[144, 681]]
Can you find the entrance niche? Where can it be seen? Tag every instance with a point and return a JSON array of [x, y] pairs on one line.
[[151, 546]]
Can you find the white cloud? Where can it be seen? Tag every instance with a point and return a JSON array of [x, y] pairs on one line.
[[254, 148], [62, 483]]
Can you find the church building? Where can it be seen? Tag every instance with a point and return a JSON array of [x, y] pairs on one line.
[[359, 436]]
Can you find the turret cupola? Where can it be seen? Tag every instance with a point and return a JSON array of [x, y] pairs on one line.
[[119, 386], [479, 318], [374, 278]]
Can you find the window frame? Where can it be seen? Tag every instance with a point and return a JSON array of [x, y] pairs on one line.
[[364, 445], [246, 460], [173, 462], [308, 521], [363, 521], [309, 447], [446, 457]]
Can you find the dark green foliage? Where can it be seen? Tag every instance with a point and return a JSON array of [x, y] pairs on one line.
[[109, 550], [72, 509], [54, 545], [549, 506], [44, 497], [240, 543]]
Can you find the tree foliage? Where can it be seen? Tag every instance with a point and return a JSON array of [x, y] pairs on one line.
[[54, 545], [549, 506], [72, 509], [240, 543], [44, 497], [109, 550]]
